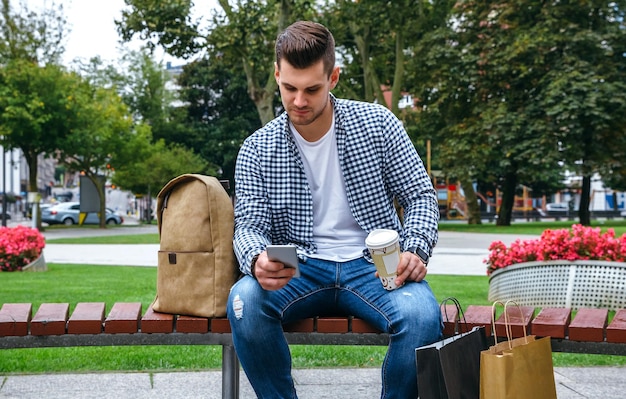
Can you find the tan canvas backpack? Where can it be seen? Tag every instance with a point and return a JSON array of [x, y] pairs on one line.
[[196, 262]]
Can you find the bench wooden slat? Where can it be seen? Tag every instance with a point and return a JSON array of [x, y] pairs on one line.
[[154, 322], [616, 331], [304, 325], [220, 325], [332, 324], [519, 322], [192, 324], [123, 318], [361, 326], [477, 316], [552, 322], [15, 319], [588, 325], [87, 318], [50, 319]]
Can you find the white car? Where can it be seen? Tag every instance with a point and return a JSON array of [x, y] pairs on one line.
[[558, 207], [67, 213]]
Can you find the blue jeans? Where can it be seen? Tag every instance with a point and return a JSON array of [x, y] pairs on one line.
[[409, 314]]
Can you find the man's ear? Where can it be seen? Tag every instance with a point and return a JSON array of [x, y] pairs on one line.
[[276, 73], [334, 77]]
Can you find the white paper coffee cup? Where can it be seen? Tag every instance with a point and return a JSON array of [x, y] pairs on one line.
[[384, 248]]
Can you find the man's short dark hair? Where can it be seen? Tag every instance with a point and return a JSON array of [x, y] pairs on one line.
[[304, 43]]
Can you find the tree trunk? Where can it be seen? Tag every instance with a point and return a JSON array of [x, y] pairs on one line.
[[33, 165], [398, 74], [583, 207], [264, 106], [508, 200], [473, 210]]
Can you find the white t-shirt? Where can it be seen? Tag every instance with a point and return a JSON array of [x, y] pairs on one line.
[[335, 231]]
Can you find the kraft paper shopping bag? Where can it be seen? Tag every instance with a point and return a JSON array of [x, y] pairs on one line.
[[518, 368]]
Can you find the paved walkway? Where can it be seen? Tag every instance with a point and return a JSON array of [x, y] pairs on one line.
[[572, 383], [456, 253]]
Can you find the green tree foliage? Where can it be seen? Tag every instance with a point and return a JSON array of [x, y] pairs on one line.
[[375, 54], [142, 84], [100, 136], [508, 85], [245, 33], [584, 89], [167, 24], [36, 36], [218, 111], [158, 164], [37, 107]]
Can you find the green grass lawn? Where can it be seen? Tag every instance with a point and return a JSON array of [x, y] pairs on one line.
[[109, 284]]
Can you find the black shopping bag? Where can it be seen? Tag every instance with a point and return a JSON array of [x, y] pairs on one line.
[[450, 368]]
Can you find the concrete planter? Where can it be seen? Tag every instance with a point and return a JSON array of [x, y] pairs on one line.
[[38, 265], [572, 284]]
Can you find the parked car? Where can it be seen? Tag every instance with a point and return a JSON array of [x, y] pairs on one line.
[[67, 213], [557, 207]]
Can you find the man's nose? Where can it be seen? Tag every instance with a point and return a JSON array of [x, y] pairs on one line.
[[300, 99]]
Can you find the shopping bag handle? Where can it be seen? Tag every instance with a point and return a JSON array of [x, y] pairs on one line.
[[507, 323], [459, 314]]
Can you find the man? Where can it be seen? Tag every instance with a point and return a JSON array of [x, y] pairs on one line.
[[321, 176]]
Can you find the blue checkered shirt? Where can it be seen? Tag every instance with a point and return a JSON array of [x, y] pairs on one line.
[[378, 161]]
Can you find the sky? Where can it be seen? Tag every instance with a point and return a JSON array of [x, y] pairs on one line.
[[93, 29]]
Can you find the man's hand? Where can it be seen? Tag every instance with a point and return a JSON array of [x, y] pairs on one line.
[[410, 268], [272, 275]]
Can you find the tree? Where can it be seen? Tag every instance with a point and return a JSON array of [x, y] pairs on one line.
[[376, 54], [246, 33], [217, 110], [584, 91], [100, 137], [142, 83], [31, 35], [36, 109], [493, 76]]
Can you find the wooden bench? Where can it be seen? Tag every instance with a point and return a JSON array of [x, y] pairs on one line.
[[126, 324]]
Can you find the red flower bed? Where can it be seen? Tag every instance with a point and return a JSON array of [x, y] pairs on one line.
[[578, 243], [19, 246]]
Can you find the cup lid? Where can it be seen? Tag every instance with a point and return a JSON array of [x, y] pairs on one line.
[[381, 238]]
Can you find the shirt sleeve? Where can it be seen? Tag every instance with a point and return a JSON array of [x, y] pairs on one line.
[[252, 218], [413, 188]]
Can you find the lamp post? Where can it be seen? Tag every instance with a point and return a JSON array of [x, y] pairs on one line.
[[4, 188]]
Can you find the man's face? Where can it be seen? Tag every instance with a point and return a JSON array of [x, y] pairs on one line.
[[305, 92]]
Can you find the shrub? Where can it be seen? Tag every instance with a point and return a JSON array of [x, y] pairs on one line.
[[578, 243], [19, 246]]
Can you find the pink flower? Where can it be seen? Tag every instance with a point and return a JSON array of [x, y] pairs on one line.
[[578, 243], [19, 246]]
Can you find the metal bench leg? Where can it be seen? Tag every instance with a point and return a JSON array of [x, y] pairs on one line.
[[230, 373]]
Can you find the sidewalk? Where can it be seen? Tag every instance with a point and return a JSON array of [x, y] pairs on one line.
[[571, 383], [456, 253]]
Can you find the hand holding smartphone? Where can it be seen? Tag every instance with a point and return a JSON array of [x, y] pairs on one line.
[[285, 254]]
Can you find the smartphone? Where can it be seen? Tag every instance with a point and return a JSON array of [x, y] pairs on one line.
[[285, 254]]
